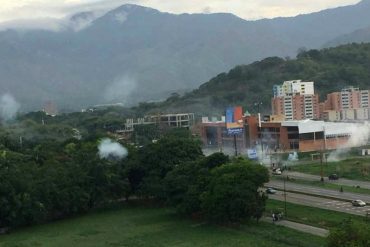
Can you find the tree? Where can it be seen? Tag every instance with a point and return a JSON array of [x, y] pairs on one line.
[[185, 183], [162, 157], [350, 234], [232, 194]]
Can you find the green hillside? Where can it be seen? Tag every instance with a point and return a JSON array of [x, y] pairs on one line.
[[331, 69]]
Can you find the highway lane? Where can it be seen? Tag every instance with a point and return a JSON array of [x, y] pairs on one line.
[[340, 181], [318, 202], [294, 187]]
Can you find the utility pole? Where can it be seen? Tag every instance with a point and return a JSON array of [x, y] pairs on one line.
[[285, 211], [235, 146], [321, 167]]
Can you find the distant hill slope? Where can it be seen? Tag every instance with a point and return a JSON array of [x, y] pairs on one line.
[[134, 54], [358, 36], [331, 70]]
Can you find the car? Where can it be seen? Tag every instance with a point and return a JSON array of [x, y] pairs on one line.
[[333, 176], [276, 171], [271, 191], [358, 203]]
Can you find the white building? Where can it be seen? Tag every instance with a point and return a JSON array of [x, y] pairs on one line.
[[294, 87]]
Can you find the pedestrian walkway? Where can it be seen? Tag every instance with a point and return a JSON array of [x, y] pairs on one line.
[[300, 227]]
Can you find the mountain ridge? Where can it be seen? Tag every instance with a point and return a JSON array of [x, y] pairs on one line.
[[133, 53]]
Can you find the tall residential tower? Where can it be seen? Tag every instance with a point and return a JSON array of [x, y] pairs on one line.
[[296, 100]]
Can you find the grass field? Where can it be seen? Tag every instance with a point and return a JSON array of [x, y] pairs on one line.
[[311, 216], [154, 227], [355, 168]]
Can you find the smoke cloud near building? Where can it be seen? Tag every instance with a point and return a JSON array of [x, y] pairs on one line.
[[8, 107], [359, 136], [109, 149]]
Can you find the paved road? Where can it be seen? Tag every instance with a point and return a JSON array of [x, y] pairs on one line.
[[340, 181], [294, 187], [300, 227], [319, 202]]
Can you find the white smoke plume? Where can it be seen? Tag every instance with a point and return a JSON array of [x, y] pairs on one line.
[[109, 149], [8, 107], [359, 136], [120, 90]]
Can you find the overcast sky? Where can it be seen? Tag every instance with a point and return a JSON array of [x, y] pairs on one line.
[[248, 9]]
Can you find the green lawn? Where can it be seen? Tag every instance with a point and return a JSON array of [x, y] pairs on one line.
[[152, 227], [311, 216], [355, 168]]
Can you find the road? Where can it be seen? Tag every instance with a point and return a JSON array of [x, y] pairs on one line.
[[319, 202], [300, 227], [340, 181], [294, 187]]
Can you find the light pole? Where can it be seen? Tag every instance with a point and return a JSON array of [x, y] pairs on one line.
[[285, 212], [258, 104]]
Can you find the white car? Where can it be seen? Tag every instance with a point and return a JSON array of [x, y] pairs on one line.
[[277, 171], [358, 203], [271, 191]]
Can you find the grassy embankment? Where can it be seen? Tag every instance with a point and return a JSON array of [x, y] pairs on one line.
[[152, 227], [355, 168], [311, 216]]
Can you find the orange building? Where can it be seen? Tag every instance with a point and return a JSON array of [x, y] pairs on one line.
[[304, 135], [296, 100], [297, 107]]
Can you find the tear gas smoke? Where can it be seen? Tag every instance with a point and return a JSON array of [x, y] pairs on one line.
[[8, 107], [359, 136], [109, 149]]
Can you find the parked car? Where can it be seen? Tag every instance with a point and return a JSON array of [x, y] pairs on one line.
[[276, 171], [333, 176], [271, 191], [358, 203]]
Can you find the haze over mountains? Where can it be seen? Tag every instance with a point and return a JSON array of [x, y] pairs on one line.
[[134, 54]]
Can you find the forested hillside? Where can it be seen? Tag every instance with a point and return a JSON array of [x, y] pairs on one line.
[[331, 69], [134, 53]]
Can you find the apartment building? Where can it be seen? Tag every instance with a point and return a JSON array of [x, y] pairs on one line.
[[296, 100], [349, 104]]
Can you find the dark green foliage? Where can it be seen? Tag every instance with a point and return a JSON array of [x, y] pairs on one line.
[[214, 160], [350, 234], [232, 193], [185, 183], [221, 191], [162, 157], [56, 174], [54, 180]]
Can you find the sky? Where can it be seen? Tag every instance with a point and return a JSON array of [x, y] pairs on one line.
[[17, 10]]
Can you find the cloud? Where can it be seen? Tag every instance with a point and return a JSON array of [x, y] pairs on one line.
[[207, 10], [120, 89], [8, 107], [121, 17], [13, 11]]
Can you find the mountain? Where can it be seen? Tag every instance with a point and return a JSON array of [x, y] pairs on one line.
[[358, 36], [133, 53], [331, 69]]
